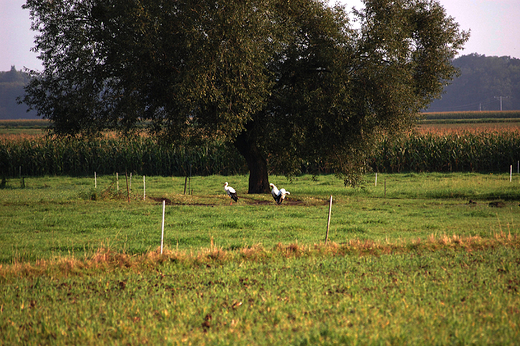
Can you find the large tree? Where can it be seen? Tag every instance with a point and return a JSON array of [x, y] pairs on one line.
[[286, 82]]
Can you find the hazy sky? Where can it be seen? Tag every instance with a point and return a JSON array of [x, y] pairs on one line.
[[494, 24]]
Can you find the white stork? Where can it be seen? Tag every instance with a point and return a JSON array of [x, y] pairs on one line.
[[278, 195], [231, 192], [283, 193]]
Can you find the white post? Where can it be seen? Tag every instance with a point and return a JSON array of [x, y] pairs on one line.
[[511, 173], [162, 227], [117, 181], [130, 181], [144, 188], [375, 184], [95, 180], [328, 221]]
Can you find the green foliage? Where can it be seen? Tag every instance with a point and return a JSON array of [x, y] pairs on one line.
[[105, 68], [288, 80]]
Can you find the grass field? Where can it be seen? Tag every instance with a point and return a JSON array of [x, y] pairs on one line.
[[447, 296], [409, 261], [418, 259], [68, 215]]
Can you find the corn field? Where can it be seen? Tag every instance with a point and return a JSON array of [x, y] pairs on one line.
[[422, 152], [44, 156], [452, 152]]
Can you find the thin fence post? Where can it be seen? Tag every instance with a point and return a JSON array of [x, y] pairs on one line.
[[127, 187], [162, 226], [511, 173], [328, 221], [95, 180], [117, 181], [144, 188]]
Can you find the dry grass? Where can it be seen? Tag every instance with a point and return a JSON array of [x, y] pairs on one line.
[[475, 128], [106, 259], [20, 137]]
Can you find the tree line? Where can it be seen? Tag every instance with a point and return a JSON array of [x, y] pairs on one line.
[[485, 82], [482, 80], [12, 85]]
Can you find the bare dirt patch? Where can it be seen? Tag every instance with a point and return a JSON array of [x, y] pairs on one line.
[[242, 200], [170, 202]]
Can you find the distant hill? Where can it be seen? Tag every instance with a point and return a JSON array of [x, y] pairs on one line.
[[11, 87], [484, 80]]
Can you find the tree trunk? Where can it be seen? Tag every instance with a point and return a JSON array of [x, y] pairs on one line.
[[257, 164]]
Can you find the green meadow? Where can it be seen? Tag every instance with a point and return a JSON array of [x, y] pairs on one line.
[[424, 258], [57, 216]]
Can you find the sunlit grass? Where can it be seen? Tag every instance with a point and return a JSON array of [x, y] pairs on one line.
[[54, 216], [442, 290], [408, 261]]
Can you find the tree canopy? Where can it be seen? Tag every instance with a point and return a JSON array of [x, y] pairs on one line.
[[284, 81]]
